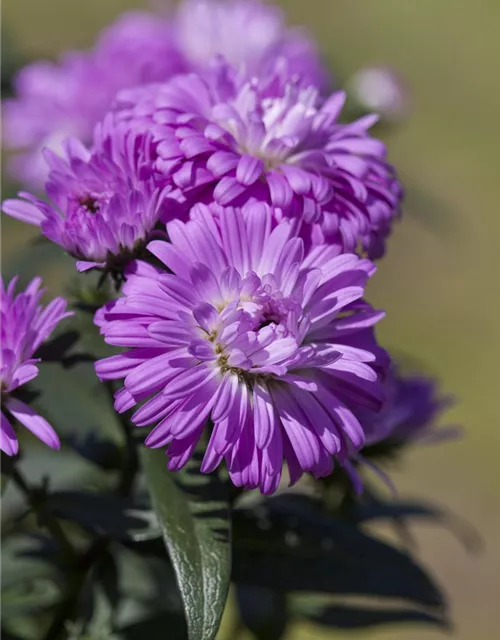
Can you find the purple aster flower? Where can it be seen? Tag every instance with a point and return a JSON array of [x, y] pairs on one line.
[[104, 204], [249, 34], [25, 325], [381, 89], [410, 413], [218, 138], [246, 337], [57, 100]]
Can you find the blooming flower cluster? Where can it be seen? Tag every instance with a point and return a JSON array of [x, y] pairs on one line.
[[67, 98], [25, 326], [215, 180]]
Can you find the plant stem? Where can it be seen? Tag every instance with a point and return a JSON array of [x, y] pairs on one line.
[[67, 607], [37, 501], [130, 459], [99, 546]]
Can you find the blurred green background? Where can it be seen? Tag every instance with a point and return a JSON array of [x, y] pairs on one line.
[[439, 281]]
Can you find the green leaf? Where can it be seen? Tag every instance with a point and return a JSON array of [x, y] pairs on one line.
[[29, 597], [193, 511], [106, 514], [264, 612], [362, 616], [6, 467], [288, 543]]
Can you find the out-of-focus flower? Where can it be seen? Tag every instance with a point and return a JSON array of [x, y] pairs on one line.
[[410, 414], [250, 34], [104, 204], [25, 325], [57, 100], [262, 140], [381, 90], [250, 340]]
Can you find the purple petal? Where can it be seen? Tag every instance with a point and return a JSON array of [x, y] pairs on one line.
[[8, 440], [24, 211], [35, 423], [227, 190], [249, 169]]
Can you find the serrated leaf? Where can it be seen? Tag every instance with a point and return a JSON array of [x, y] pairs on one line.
[[193, 511]]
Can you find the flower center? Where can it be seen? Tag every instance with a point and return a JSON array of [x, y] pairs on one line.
[[89, 203], [254, 336]]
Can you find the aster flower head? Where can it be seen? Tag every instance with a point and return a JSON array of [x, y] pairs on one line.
[[247, 336], [410, 413], [104, 204], [249, 34], [56, 100], [25, 326], [279, 143]]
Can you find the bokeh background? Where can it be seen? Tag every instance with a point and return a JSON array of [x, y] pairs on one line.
[[439, 281]]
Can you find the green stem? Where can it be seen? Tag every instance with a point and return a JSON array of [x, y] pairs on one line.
[[68, 606], [37, 501], [130, 458], [99, 546]]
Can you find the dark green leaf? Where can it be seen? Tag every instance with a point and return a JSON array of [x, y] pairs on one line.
[[161, 626], [6, 635], [29, 597], [263, 611], [374, 509], [75, 400], [60, 349], [6, 465], [288, 543], [108, 514], [26, 559], [352, 617], [193, 511], [92, 446]]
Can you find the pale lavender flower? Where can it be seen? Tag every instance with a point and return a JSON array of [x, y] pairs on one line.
[[249, 34], [249, 339], [104, 204], [261, 140], [381, 90], [58, 100], [25, 326]]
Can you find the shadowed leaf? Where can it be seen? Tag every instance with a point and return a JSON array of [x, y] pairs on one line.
[[120, 518], [352, 617], [288, 543], [263, 611]]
